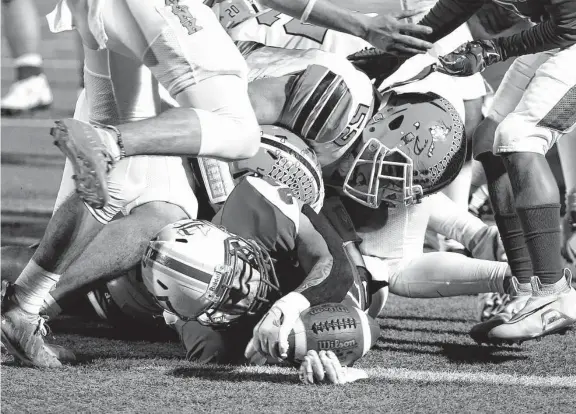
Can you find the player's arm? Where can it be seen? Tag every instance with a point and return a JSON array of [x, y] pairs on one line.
[[447, 15], [558, 31], [388, 33], [329, 278], [192, 57], [321, 255]]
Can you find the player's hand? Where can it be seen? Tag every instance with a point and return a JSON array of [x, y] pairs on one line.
[[390, 34], [470, 58], [270, 335], [325, 367]]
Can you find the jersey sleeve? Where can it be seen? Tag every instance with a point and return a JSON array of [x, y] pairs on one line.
[[558, 30]]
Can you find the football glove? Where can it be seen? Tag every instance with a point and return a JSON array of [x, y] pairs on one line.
[[325, 367], [470, 58], [270, 335], [375, 63]]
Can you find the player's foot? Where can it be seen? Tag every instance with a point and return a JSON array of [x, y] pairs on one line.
[[489, 304], [487, 245], [550, 309], [501, 314], [64, 355], [28, 94], [86, 147]]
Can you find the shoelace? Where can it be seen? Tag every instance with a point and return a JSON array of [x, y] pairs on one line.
[[42, 328]]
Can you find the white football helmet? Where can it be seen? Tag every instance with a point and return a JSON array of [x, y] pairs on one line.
[[412, 147], [199, 271], [283, 156]]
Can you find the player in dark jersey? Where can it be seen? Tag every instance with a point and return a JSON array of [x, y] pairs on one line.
[[309, 262], [532, 109]]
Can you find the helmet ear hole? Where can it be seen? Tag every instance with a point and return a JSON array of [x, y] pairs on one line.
[[182, 240], [395, 124]]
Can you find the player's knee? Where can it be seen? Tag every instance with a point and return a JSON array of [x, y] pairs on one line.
[[516, 134], [203, 344]]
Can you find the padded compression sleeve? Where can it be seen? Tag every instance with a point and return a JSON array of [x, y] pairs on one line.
[[447, 15], [340, 279]]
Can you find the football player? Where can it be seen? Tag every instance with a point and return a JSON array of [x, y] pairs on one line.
[[130, 47], [269, 221], [532, 109]]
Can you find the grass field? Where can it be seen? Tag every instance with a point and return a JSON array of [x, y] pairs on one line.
[[424, 361]]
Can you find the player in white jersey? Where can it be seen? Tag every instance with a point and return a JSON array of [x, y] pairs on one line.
[[130, 47]]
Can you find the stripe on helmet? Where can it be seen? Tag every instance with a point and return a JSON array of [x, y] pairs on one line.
[[317, 80], [334, 116], [296, 154], [179, 267]]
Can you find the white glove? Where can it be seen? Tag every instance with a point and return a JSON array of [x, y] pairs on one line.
[[325, 367], [271, 334]]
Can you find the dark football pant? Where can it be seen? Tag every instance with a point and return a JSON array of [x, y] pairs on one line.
[[204, 344]]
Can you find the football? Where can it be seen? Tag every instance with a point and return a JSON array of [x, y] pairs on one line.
[[340, 328]]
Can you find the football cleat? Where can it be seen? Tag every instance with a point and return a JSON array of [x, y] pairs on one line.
[[91, 159], [63, 354], [23, 334], [550, 309], [28, 94], [502, 313]]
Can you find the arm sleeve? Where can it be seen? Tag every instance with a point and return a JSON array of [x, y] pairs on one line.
[[447, 15], [334, 287], [558, 31]]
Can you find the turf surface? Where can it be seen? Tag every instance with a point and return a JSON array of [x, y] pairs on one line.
[[424, 361]]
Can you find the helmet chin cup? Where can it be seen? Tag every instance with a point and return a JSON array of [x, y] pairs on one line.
[[381, 175]]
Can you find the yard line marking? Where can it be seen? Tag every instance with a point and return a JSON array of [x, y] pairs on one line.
[[27, 122], [402, 374]]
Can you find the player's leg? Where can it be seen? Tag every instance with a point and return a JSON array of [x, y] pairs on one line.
[[522, 139], [68, 233], [459, 190], [22, 31], [567, 151], [201, 69], [442, 274], [116, 249]]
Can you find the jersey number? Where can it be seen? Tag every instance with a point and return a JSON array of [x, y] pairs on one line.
[[183, 13], [353, 127], [294, 26]]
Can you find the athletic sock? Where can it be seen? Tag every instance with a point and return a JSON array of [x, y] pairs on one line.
[[50, 307], [28, 65], [512, 236], [541, 225], [32, 287]]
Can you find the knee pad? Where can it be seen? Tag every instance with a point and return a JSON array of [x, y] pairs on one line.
[[483, 138]]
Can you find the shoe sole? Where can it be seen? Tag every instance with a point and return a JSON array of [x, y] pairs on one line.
[[12, 112], [77, 143], [20, 356], [561, 330]]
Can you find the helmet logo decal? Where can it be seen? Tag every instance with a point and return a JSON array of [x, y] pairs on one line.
[[439, 132], [355, 125], [191, 227]]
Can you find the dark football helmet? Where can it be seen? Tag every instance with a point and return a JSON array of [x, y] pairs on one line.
[[412, 147]]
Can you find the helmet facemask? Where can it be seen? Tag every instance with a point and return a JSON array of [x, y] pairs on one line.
[[248, 285], [380, 174]]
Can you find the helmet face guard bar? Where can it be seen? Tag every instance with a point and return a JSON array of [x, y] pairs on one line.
[[243, 257], [379, 174]]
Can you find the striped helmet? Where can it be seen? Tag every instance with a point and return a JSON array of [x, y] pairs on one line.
[[283, 157], [199, 271]]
